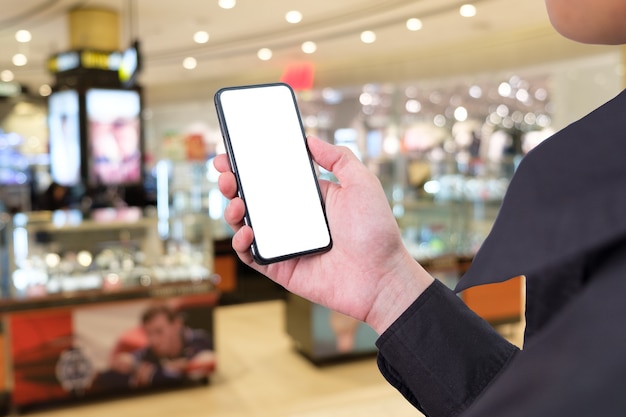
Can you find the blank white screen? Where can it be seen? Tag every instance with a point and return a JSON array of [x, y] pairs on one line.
[[274, 169]]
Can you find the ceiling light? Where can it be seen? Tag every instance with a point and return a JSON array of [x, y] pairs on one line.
[[201, 36], [475, 91], [190, 63], [541, 94], [23, 36], [440, 120], [413, 106], [494, 119], [227, 4], [414, 24], [503, 110], [530, 118], [19, 60], [366, 99], [468, 10], [368, 36], [435, 97], [505, 89], [460, 114], [264, 54], [293, 16], [391, 144], [45, 90], [331, 96], [411, 91], [517, 116], [508, 123], [309, 47], [522, 95], [544, 120], [7, 76]]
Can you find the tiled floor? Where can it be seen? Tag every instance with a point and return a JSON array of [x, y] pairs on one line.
[[260, 375]]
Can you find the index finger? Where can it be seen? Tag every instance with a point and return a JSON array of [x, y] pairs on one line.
[[337, 159], [221, 163]]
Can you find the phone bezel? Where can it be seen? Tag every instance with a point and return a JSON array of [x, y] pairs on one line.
[[255, 251]]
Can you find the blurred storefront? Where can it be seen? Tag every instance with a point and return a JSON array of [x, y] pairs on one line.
[[142, 221]]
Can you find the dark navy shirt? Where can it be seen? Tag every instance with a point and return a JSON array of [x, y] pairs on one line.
[[562, 225]]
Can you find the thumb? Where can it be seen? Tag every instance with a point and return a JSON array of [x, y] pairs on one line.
[[339, 160]]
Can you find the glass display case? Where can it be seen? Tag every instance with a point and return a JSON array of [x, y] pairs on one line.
[[189, 206], [115, 249], [187, 191], [78, 293], [5, 270], [15, 175], [439, 225]]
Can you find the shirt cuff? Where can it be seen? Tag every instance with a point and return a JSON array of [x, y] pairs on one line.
[[440, 355]]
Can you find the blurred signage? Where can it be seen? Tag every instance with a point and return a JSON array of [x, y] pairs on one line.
[[299, 75], [101, 60], [89, 59], [64, 62], [10, 89]]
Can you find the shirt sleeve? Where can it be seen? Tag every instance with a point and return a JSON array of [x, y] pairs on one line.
[[440, 355]]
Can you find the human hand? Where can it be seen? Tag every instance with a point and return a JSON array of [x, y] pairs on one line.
[[368, 274], [201, 365], [143, 375], [175, 366], [123, 362]]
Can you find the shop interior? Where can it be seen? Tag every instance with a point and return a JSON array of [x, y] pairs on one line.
[[111, 221]]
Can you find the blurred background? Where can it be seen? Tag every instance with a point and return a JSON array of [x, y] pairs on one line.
[[108, 195]]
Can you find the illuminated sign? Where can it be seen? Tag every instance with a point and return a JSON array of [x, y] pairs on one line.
[[101, 60], [85, 59], [64, 62]]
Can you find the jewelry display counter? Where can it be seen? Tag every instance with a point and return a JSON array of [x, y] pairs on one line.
[[102, 306]]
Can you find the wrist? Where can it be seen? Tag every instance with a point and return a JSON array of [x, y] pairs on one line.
[[398, 289]]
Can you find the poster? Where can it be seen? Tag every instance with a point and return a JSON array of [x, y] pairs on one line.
[[67, 353]]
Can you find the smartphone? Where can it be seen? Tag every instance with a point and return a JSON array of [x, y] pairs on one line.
[[276, 178]]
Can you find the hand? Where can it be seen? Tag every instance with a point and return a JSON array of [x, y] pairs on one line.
[[201, 365], [143, 375], [175, 366], [123, 362], [368, 274]]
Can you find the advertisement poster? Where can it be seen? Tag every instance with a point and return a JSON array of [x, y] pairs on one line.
[[68, 353], [64, 128], [114, 136]]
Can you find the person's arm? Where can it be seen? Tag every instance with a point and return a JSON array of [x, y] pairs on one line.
[[440, 355], [368, 274], [202, 364]]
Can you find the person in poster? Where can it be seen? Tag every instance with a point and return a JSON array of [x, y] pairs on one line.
[[114, 136], [173, 354]]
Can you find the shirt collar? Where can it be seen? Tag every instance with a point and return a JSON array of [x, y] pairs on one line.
[[567, 197]]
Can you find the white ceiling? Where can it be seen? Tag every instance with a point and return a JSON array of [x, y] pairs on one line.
[[504, 34]]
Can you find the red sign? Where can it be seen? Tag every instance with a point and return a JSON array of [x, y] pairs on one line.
[[299, 75]]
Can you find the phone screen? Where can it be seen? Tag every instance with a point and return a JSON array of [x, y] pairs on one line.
[[267, 148]]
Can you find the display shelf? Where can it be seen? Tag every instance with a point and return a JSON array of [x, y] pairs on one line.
[[60, 252], [61, 350], [190, 207], [80, 299], [92, 296], [444, 234], [432, 228]]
